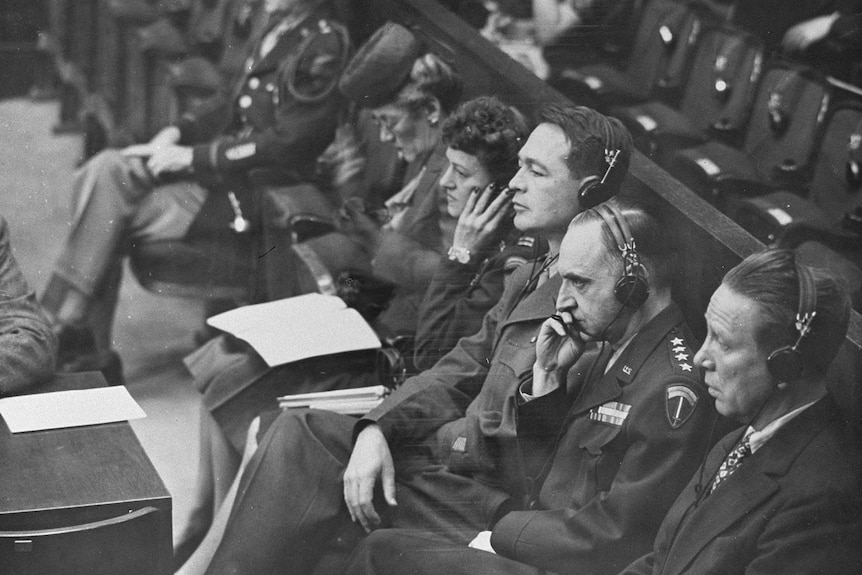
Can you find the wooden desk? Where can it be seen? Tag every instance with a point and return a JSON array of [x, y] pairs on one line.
[[81, 500]]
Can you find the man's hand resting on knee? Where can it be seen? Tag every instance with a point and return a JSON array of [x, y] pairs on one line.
[[370, 460]]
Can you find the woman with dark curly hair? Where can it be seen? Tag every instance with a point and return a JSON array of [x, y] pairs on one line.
[[483, 138]]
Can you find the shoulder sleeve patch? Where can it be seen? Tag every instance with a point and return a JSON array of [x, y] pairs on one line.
[[680, 403], [313, 73]]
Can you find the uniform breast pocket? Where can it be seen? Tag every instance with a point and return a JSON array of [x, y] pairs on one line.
[[518, 355], [601, 454]]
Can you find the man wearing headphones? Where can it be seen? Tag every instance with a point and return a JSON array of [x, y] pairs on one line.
[[441, 452], [604, 439], [782, 493]]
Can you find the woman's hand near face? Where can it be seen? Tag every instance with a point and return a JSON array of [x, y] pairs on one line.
[[481, 218]]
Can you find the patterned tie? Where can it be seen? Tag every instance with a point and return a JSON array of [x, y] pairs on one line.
[[732, 462]]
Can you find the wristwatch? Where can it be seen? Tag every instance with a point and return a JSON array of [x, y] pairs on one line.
[[460, 255]]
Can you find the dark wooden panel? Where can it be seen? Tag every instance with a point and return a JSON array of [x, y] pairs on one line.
[[64, 478]]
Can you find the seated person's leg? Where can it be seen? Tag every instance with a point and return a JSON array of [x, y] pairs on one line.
[[200, 559], [217, 467], [290, 498], [107, 192], [392, 551]]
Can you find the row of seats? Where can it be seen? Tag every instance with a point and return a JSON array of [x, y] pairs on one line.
[[764, 140], [773, 144]]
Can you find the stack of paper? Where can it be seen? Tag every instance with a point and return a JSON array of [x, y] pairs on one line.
[[299, 327], [358, 401]]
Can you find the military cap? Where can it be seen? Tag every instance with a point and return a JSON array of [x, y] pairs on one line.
[[381, 66], [195, 74]]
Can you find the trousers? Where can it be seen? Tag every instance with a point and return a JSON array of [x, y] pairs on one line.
[[289, 516], [117, 209]]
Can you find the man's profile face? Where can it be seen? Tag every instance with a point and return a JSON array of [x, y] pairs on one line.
[[734, 363], [545, 198], [590, 275]]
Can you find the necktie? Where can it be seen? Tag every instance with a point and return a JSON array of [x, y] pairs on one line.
[[731, 463]]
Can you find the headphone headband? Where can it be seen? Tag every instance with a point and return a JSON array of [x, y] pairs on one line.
[[594, 192], [632, 289], [786, 363]]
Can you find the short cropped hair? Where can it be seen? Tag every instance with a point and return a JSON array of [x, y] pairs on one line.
[[431, 76], [771, 280], [654, 246], [490, 130], [590, 134]]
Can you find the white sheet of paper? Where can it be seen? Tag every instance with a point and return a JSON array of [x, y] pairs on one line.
[[69, 409], [300, 327]]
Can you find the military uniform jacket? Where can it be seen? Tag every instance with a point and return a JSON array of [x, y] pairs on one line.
[[283, 111], [628, 442], [495, 359], [791, 507], [460, 294]]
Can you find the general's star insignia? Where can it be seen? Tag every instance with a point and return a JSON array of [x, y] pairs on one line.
[[685, 367], [681, 356], [676, 341]]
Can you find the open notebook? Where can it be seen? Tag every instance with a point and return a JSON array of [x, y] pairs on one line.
[[300, 327]]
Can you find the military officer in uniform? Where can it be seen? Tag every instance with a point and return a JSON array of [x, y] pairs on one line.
[[597, 445], [443, 446], [193, 181]]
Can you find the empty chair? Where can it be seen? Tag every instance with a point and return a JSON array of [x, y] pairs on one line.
[[827, 224], [780, 140], [716, 100], [664, 38]]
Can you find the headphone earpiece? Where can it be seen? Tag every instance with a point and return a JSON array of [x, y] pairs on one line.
[[593, 190], [632, 289], [786, 364]]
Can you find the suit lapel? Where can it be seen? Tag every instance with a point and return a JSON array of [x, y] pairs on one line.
[[724, 507]]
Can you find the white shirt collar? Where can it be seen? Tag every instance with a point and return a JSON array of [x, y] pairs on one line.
[[756, 439]]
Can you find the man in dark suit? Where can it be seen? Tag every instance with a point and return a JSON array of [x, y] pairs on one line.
[[781, 494]]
